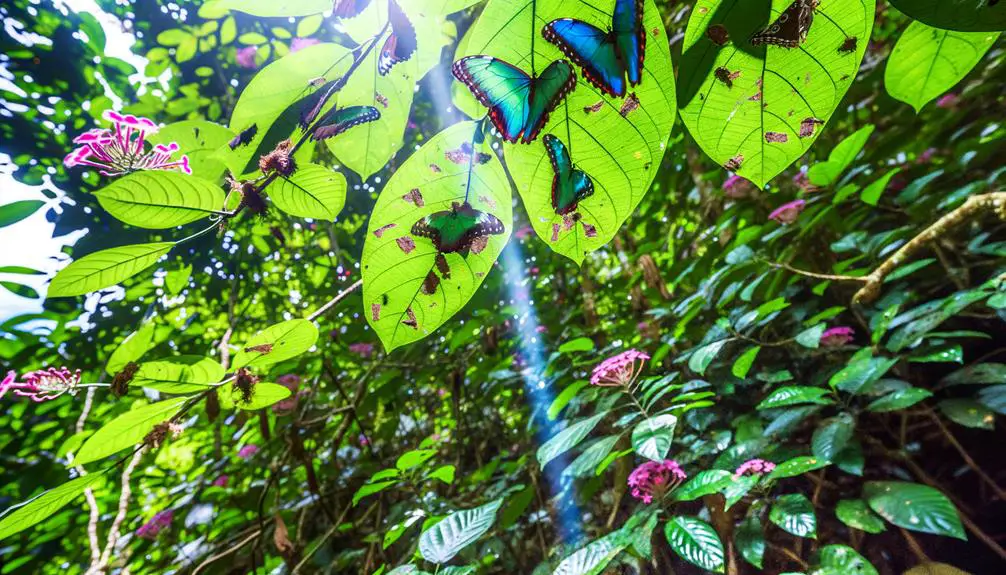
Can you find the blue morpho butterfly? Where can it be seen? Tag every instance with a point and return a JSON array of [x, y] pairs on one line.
[[605, 57], [569, 185], [400, 44], [518, 104], [454, 230], [343, 119]]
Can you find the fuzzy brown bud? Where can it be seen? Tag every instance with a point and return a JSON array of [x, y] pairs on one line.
[[120, 383], [244, 384], [212, 405], [252, 199], [279, 160], [160, 432]]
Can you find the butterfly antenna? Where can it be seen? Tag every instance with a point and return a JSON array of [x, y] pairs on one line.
[[534, 19]]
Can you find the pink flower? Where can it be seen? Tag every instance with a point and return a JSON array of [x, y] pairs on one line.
[[364, 350], [753, 467], [288, 405], [523, 232], [43, 384], [619, 370], [245, 57], [151, 529], [363, 440], [788, 212], [248, 451], [301, 43], [736, 187], [837, 336], [654, 479], [220, 481], [124, 151], [948, 100]]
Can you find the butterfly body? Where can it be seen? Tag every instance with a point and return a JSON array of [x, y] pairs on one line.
[[791, 27], [569, 185], [344, 119], [609, 59], [519, 105], [454, 230]]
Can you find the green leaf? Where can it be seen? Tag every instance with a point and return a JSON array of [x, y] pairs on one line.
[[201, 141], [797, 466], [927, 62], [592, 558], [160, 199], [263, 395], [20, 270], [14, 212], [703, 356], [20, 290], [620, 153], [703, 483], [795, 395], [277, 343], [858, 375], [899, 399], [832, 436], [586, 463], [855, 514], [811, 338], [840, 158], [132, 348], [750, 539], [20, 517], [651, 438], [414, 458], [271, 8], [564, 397], [981, 373], [309, 25], [440, 543], [516, 507], [994, 398], [742, 365], [842, 560], [914, 506], [567, 438], [964, 15], [396, 264], [180, 374], [871, 193], [444, 473], [578, 344], [738, 488], [312, 191], [773, 89], [695, 541], [177, 279], [969, 413], [106, 268], [126, 430], [794, 514], [371, 488]]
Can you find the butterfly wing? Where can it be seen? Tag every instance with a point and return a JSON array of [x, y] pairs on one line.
[[501, 87], [401, 44], [547, 90], [454, 230], [592, 49], [348, 8], [569, 185], [630, 37], [344, 119], [790, 29]]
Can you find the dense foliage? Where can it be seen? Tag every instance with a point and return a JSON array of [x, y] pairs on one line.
[[328, 314]]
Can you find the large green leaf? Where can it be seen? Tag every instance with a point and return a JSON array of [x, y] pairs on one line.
[[567, 438], [20, 517], [981, 373], [312, 191], [795, 395], [126, 430], [160, 199], [750, 539], [132, 348], [181, 374], [651, 438], [440, 543], [277, 343], [621, 154], [586, 463], [703, 483], [858, 375], [396, 264], [927, 62], [272, 8], [14, 212], [855, 514], [701, 358], [797, 466], [899, 399], [832, 436], [968, 412], [914, 506], [840, 158], [695, 541], [200, 141], [592, 558], [842, 560], [794, 513], [964, 15], [263, 394], [771, 89], [106, 268]]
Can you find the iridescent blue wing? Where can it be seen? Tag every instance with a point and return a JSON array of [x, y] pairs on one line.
[[569, 185], [630, 37], [501, 87], [401, 44], [547, 90], [344, 119], [592, 49]]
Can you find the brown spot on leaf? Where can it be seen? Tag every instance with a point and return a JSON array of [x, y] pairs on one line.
[[430, 283], [569, 220], [479, 244], [406, 243], [261, 348], [435, 168], [630, 103], [414, 197], [589, 230], [375, 312], [445, 270], [463, 154], [850, 45], [555, 232], [593, 108], [726, 76], [718, 34], [488, 201], [381, 98], [734, 163], [411, 319], [756, 97], [808, 125], [776, 137], [380, 231]]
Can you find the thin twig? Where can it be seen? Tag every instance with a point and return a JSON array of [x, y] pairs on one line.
[[815, 275], [120, 516], [334, 300], [92, 503], [1000, 493], [223, 554]]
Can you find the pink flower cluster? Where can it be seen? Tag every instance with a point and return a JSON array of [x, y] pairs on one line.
[[288, 405], [837, 336], [221, 481], [619, 370], [754, 467], [247, 451], [245, 57], [364, 350], [654, 479], [125, 150], [151, 529], [43, 384], [788, 212]]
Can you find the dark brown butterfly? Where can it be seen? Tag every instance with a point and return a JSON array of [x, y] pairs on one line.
[[791, 27], [348, 8], [344, 119], [401, 44], [244, 138]]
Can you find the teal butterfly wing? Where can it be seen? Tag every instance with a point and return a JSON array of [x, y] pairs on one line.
[[570, 186], [547, 90], [592, 49], [344, 119], [630, 37], [501, 87], [455, 230]]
